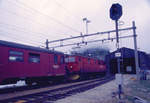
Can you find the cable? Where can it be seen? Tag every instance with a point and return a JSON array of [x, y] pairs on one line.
[[25, 19], [14, 28], [23, 29], [16, 39], [69, 12], [51, 18], [10, 34], [29, 11]]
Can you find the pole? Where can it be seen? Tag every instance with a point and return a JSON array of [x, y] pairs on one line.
[[117, 44], [47, 44], [118, 58], [135, 51], [86, 26]]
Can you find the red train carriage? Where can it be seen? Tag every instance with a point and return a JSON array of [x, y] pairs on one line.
[[34, 64], [79, 65], [29, 63]]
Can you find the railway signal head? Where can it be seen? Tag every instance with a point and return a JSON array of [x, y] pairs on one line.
[[115, 11]]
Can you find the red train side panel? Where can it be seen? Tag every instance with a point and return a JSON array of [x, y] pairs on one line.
[[20, 61], [80, 64]]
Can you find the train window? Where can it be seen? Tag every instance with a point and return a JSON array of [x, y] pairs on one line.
[[66, 60], [62, 60], [79, 59], [89, 60], [15, 53], [55, 59], [95, 61], [69, 59], [16, 56], [99, 62], [34, 58]]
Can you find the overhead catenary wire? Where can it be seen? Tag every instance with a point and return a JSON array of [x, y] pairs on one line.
[[88, 35], [25, 18], [68, 11], [50, 17], [28, 19], [18, 28], [15, 28], [16, 39], [31, 14], [16, 36], [92, 41]]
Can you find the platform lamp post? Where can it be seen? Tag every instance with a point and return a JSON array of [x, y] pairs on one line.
[[86, 26], [115, 14], [86, 22]]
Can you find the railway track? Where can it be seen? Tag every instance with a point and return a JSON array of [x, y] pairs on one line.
[[10, 89], [51, 94]]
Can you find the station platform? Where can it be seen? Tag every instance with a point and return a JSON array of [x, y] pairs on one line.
[[101, 94]]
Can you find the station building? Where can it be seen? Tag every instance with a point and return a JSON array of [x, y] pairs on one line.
[[127, 61]]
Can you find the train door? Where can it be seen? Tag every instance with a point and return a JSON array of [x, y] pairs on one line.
[[58, 67], [49, 64], [85, 65], [80, 63]]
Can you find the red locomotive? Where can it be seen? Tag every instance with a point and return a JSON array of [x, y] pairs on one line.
[[34, 64], [84, 66]]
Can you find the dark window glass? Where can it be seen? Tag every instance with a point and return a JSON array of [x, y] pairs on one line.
[[62, 60], [95, 61], [99, 62], [69, 59], [89, 60], [34, 58], [15, 53], [55, 59], [16, 56], [79, 59]]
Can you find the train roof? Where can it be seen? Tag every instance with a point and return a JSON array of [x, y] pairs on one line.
[[79, 55], [27, 47]]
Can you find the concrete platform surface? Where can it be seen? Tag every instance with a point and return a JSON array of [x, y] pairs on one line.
[[101, 94]]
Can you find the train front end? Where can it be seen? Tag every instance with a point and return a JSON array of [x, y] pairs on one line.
[[72, 68]]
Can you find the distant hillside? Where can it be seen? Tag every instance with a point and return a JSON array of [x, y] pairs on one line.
[[98, 53]]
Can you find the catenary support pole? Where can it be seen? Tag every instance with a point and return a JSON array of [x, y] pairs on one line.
[[135, 51], [47, 44]]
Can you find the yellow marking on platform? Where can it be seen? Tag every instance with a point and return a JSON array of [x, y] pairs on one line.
[[21, 101]]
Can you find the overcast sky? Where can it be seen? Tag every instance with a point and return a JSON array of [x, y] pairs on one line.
[[33, 21]]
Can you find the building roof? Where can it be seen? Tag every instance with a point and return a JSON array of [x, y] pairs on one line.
[[125, 53]]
